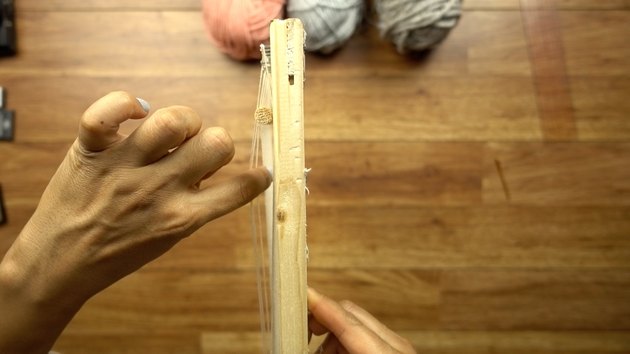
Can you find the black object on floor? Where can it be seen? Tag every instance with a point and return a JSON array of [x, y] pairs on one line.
[[7, 28], [3, 217], [6, 120]]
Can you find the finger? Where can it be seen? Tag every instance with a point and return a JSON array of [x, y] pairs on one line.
[[218, 200], [376, 326], [100, 122], [317, 328], [352, 334], [166, 129], [202, 155], [331, 345]]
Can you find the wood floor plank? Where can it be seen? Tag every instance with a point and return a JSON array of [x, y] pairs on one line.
[[18, 213], [468, 299], [391, 173], [173, 44], [515, 5], [358, 237], [536, 300], [496, 43], [593, 4], [461, 342], [241, 343], [424, 237], [601, 107], [395, 237], [164, 343], [171, 301], [231, 342], [594, 42], [487, 342], [97, 5], [116, 44], [441, 174], [27, 168], [560, 174], [403, 108], [394, 173], [154, 302], [412, 108], [48, 109]]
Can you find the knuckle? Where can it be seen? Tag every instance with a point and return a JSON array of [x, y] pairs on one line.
[[91, 120], [246, 190], [178, 226], [169, 120], [123, 97], [91, 123], [219, 141], [407, 344], [347, 305]]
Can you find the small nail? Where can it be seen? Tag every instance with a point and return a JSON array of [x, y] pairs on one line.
[[145, 105]]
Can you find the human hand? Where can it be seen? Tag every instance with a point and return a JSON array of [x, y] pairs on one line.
[[352, 329], [118, 202]]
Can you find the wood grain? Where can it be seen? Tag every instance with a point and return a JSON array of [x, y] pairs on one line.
[[542, 4], [487, 342], [592, 45], [540, 300], [97, 5], [466, 299], [407, 214], [289, 318], [428, 109], [488, 42], [559, 174], [165, 343], [549, 73], [601, 107], [462, 342]]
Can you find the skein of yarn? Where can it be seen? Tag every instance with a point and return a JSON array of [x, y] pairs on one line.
[[416, 25], [238, 27], [329, 23]]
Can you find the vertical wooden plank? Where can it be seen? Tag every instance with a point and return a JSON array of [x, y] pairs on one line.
[[289, 240]]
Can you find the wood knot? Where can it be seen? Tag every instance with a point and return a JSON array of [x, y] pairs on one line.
[[263, 115], [281, 215]]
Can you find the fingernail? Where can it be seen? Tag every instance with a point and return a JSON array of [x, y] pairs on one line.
[[269, 176], [145, 105], [312, 291]]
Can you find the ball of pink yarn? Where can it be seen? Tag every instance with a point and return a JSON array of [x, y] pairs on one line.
[[238, 27]]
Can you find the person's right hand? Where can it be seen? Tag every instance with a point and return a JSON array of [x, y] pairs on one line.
[[352, 329], [115, 203]]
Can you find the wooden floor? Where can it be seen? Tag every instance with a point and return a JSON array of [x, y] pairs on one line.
[[476, 200]]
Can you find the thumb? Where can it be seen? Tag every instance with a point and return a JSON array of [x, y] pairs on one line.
[[100, 122]]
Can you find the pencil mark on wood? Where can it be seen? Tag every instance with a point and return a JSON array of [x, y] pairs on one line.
[[506, 190]]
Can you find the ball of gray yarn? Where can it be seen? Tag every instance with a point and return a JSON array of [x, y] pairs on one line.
[[329, 24], [416, 25]]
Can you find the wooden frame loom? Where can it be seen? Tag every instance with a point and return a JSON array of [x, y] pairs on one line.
[[278, 144]]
